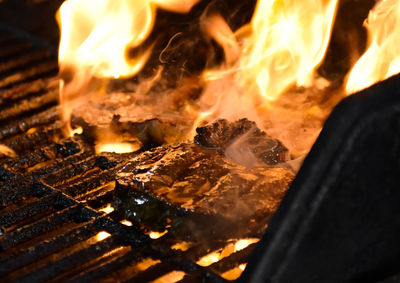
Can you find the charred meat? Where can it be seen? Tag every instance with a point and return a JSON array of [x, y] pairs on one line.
[[190, 188], [245, 134], [132, 117]]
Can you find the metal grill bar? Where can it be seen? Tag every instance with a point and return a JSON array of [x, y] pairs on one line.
[[49, 194], [14, 259]]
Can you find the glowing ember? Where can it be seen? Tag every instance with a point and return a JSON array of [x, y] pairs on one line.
[[182, 246], [173, 276], [108, 209], [234, 273], [382, 58], [225, 252], [117, 147], [209, 259], [288, 41], [244, 243], [156, 235], [145, 264], [102, 236], [5, 150], [76, 131], [126, 222]]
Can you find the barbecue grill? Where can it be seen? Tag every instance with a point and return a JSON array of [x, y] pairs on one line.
[[338, 221]]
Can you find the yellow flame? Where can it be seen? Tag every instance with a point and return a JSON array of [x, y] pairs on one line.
[[102, 236], [76, 131], [96, 34], [182, 246], [288, 41], [216, 27], [126, 222], [108, 209], [234, 273], [117, 147], [229, 249], [145, 264], [156, 235], [173, 276], [244, 243], [382, 58]]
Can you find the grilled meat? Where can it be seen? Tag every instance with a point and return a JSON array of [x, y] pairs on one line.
[[245, 134], [191, 189], [147, 121]]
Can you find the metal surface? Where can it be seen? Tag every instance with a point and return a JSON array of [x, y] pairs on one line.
[[53, 193]]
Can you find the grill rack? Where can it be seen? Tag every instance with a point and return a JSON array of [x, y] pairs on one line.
[[51, 195]]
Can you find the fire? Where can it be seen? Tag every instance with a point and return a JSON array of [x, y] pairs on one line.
[[173, 276], [229, 249], [5, 150], [281, 47], [102, 236], [182, 246], [288, 40], [117, 147], [382, 58], [234, 273], [96, 37], [156, 235], [126, 222], [96, 34], [108, 209]]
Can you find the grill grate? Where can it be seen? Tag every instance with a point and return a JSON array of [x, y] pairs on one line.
[[53, 194]]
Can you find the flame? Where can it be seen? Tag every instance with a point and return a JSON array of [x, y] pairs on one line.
[[173, 276], [217, 28], [145, 264], [182, 246], [288, 41], [96, 37], [76, 131], [244, 243], [229, 249], [102, 236], [126, 222], [108, 209], [155, 235], [234, 273], [382, 58], [96, 34], [281, 47], [117, 147], [7, 151]]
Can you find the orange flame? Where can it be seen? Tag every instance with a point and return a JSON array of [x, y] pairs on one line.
[[102, 236], [117, 147], [382, 58], [155, 235], [107, 209], [229, 249], [96, 34], [288, 41]]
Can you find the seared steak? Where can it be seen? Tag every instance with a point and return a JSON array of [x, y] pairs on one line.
[[223, 135], [192, 189]]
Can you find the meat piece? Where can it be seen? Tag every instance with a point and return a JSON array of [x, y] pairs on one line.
[[196, 190], [131, 117], [245, 136], [222, 133]]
